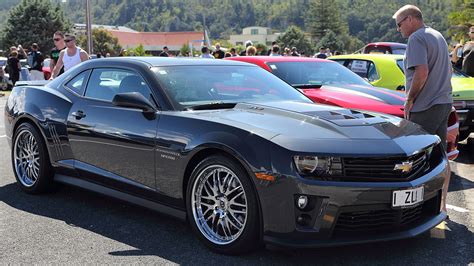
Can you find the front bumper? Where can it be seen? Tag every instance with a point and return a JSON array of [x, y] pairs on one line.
[[343, 213]]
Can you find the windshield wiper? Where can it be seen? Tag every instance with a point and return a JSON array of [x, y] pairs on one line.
[[306, 86], [212, 106]]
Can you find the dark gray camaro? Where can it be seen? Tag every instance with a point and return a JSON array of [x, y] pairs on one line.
[[239, 153]]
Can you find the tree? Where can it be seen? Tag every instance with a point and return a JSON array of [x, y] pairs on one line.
[[138, 51], [322, 17], [34, 21], [331, 40], [103, 42], [461, 19], [295, 37], [351, 43]]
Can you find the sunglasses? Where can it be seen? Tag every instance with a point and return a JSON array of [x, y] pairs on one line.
[[68, 40], [400, 23], [57, 39]]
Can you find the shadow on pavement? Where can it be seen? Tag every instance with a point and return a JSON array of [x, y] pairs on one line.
[[466, 152], [151, 234]]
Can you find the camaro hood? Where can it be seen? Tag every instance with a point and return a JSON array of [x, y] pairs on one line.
[[308, 127], [463, 88]]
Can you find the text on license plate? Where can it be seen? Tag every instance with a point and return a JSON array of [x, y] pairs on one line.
[[408, 197]]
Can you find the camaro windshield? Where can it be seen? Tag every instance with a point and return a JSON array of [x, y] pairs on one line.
[[204, 85], [317, 73]]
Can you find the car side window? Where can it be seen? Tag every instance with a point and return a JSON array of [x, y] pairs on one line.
[[360, 67], [78, 83], [105, 83], [372, 73]]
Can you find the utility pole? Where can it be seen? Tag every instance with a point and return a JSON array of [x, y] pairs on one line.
[[89, 27]]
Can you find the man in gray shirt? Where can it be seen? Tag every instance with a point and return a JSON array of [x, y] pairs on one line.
[[428, 75]]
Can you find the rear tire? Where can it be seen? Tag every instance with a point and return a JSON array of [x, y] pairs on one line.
[[30, 160], [222, 206]]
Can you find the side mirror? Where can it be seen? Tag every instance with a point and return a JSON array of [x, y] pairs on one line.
[[133, 100]]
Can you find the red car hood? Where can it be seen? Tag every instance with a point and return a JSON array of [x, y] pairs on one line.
[[359, 97]]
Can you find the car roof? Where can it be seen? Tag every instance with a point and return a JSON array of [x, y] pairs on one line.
[[271, 59], [168, 61], [391, 44], [369, 56]]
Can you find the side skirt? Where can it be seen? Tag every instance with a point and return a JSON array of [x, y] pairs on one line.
[[120, 195]]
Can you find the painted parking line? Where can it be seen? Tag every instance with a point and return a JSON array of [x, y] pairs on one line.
[[3, 136], [455, 208]]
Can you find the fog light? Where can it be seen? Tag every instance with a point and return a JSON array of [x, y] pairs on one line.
[[303, 220], [302, 202]]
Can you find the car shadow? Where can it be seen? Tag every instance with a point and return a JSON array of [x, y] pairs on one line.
[[466, 151], [153, 234], [458, 183]]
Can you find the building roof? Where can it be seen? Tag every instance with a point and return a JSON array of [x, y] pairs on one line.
[[157, 40], [107, 27]]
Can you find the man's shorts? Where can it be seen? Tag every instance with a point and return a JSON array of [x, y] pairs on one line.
[[434, 120]]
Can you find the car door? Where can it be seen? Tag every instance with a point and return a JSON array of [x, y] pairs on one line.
[[110, 144]]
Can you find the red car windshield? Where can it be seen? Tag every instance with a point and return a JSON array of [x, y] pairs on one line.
[[305, 74]]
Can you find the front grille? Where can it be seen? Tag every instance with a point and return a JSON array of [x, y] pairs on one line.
[[383, 168], [386, 219]]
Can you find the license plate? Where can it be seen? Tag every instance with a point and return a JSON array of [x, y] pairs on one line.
[[408, 197]]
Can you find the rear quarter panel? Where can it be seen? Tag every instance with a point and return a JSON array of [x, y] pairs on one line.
[[47, 109]]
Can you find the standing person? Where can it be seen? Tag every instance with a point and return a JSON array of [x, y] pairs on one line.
[[70, 56], [270, 50], [321, 54], [233, 52], [205, 53], [328, 52], [247, 44], [294, 52], [427, 76], [275, 50], [218, 53], [165, 52], [251, 51], [59, 45], [35, 61], [21, 52], [466, 60], [14, 67]]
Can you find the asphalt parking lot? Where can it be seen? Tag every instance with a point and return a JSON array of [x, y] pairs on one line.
[[76, 226]]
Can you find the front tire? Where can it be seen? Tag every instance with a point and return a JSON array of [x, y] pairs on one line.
[[222, 206], [30, 160]]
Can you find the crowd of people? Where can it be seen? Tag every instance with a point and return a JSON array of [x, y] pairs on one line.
[[67, 54]]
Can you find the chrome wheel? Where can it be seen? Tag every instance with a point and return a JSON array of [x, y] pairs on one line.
[[219, 204], [26, 158]]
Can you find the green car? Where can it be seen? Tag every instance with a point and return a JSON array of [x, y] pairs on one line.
[[387, 71]]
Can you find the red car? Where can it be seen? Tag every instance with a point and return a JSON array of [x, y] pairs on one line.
[[384, 48], [46, 68], [328, 82]]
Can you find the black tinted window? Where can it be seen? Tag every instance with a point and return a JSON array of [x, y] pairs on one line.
[[78, 83], [105, 83]]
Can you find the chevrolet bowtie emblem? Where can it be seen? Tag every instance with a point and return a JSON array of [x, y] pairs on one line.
[[404, 166]]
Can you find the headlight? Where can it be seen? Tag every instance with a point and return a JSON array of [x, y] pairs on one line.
[[318, 165]]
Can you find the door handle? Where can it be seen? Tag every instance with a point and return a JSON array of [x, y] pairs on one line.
[[79, 114]]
